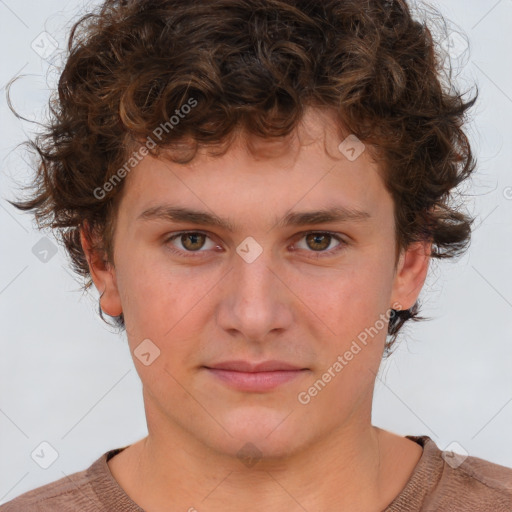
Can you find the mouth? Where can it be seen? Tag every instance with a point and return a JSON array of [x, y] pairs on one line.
[[246, 376]]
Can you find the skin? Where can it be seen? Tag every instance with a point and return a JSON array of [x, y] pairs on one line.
[[294, 303]]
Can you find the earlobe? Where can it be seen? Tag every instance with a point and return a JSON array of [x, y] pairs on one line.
[[102, 274], [411, 273]]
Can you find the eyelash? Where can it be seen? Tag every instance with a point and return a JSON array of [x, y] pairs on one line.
[[317, 254]]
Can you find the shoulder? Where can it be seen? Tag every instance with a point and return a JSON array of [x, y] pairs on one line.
[[59, 495], [456, 482], [68, 494], [479, 482]]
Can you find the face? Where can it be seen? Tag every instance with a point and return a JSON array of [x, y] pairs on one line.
[[265, 280]]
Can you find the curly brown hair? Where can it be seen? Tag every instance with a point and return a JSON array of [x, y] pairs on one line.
[[252, 65]]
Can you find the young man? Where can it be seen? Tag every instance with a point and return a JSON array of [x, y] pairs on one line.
[[256, 189]]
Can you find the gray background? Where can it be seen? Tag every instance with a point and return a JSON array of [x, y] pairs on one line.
[[67, 380]]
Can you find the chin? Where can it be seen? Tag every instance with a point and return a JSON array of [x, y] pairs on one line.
[[260, 435]]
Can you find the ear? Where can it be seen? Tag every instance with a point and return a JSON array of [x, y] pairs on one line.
[[103, 274], [411, 273]]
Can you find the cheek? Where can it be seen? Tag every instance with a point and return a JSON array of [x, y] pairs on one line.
[[354, 307], [348, 299], [162, 302], [149, 295], [161, 309]]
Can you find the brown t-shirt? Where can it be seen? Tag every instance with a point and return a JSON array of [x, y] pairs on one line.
[[436, 485]]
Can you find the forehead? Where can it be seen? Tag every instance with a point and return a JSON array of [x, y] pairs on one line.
[[261, 177]]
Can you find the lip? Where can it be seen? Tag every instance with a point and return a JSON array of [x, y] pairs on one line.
[[255, 377], [246, 366]]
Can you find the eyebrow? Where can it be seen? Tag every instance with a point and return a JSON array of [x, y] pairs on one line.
[[179, 214]]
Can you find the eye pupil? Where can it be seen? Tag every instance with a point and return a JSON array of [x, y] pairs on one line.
[[318, 236], [185, 238]]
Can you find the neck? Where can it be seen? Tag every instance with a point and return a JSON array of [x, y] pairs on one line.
[[350, 469]]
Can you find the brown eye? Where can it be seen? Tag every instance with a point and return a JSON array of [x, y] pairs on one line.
[[187, 243], [192, 241], [321, 243], [318, 241]]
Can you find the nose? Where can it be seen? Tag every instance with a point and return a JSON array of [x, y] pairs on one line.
[[256, 303]]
